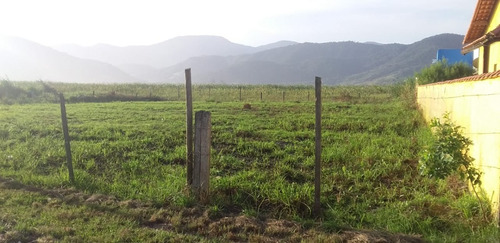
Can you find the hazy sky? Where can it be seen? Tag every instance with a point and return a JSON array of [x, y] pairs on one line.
[[250, 22]]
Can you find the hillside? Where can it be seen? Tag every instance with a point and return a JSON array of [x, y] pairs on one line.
[[159, 55], [215, 59], [25, 60], [336, 62], [413, 58], [145, 62]]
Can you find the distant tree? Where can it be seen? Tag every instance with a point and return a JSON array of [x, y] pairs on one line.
[[437, 72], [9, 91], [442, 71]]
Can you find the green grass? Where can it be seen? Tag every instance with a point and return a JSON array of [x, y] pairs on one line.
[[34, 215], [36, 92], [262, 161]]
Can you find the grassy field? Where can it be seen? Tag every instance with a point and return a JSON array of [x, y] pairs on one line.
[[130, 175], [35, 92]]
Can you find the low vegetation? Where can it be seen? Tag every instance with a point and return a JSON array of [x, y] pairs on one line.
[[436, 72], [130, 176], [448, 154], [442, 71]]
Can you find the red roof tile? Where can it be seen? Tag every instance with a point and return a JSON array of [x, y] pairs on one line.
[[479, 77], [480, 20], [489, 37]]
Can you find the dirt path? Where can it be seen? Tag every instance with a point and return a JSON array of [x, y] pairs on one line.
[[196, 221]]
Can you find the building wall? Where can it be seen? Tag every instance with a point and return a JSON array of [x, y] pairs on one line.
[[494, 49], [481, 60], [495, 19], [474, 105], [453, 56], [494, 63]]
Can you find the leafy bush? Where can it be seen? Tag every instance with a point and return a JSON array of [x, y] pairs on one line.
[[437, 72], [449, 153], [441, 71], [8, 91], [26, 92], [406, 91]]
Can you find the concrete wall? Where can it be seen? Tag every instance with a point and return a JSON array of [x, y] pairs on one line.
[[474, 105]]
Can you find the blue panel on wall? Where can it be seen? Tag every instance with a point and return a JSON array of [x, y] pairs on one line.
[[454, 56]]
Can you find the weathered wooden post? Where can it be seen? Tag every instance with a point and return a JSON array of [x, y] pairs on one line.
[[201, 171], [283, 96], [66, 138], [261, 96], [317, 162], [189, 128], [240, 93]]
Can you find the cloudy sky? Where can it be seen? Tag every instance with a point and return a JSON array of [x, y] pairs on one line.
[[250, 22]]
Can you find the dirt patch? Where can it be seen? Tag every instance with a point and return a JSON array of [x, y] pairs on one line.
[[457, 186], [238, 224], [101, 199], [198, 221], [282, 228], [131, 204], [75, 197], [16, 236], [377, 237]]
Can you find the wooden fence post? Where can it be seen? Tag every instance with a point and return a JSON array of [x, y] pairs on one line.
[[317, 162], [283, 96], [261, 96], [240, 93], [189, 128], [202, 143], [66, 138]]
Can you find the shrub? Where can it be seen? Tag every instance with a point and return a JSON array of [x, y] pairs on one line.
[[9, 92], [449, 153], [25, 92], [7, 89], [437, 72], [441, 71]]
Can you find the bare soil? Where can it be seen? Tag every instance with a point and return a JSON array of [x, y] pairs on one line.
[[202, 222]]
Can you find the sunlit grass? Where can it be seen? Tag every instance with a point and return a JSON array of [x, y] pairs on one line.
[[262, 159]]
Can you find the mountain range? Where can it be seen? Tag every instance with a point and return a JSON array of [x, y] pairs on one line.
[[23, 60], [215, 59]]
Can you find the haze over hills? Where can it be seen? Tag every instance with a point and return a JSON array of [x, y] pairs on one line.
[[166, 53], [412, 59], [25, 60], [216, 60], [336, 62]]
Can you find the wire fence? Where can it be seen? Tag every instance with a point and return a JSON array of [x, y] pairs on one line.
[[227, 93], [33, 92]]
